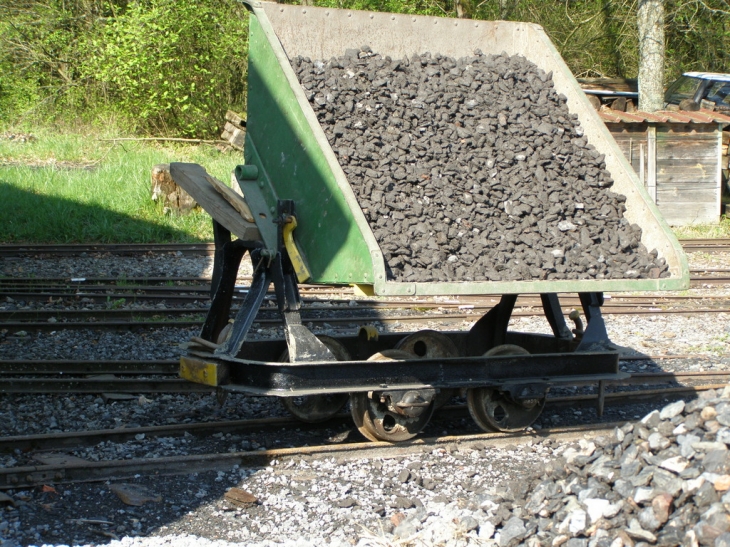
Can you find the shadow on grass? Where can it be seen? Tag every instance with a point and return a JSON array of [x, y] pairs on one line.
[[28, 217]]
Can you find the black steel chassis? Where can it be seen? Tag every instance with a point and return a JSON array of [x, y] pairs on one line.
[[567, 357]]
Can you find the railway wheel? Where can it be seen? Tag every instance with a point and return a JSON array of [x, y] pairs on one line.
[[497, 410], [318, 408], [431, 344], [380, 417]]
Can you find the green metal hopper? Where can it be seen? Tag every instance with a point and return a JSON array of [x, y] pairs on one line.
[[294, 160]]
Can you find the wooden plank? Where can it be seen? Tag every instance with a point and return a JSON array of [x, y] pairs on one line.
[[195, 180], [610, 84], [687, 193], [235, 119], [696, 175], [237, 136], [688, 152], [679, 136], [685, 214], [235, 199], [642, 163], [651, 162], [721, 163]]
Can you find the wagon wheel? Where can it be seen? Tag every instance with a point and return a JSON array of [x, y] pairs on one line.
[[431, 344], [376, 420], [318, 408], [494, 410]]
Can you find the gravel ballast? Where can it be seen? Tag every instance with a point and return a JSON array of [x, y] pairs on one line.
[[473, 169], [434, 495], [662, 480]]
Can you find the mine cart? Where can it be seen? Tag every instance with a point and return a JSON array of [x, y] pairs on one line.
[[301, 222]]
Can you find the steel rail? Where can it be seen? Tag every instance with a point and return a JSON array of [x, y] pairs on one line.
[[99, 384], [73, 366], [443, 318], [75, 249], [61, 473], [198, 284], [186, 294], [72, 472], [75, 439], [309, 312], [317, 306]]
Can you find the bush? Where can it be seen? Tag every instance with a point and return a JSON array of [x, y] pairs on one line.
[[173, 66], [162, 66]]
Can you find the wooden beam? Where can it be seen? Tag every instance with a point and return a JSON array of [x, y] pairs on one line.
[[196, 181], [651, 161]]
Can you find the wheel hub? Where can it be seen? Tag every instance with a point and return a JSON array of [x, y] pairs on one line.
[[392, 416]]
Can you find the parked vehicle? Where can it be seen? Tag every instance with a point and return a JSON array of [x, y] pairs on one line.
[[699, 86]]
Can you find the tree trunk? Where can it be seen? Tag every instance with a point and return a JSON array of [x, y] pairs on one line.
[[650, 21], [506, 7], [459, 7]]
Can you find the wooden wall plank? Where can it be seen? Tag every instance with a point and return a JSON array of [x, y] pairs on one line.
[[687, 184], [686, 193]]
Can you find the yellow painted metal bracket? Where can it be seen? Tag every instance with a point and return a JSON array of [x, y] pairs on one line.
[[300, 268], [369, 332], [201, 372]]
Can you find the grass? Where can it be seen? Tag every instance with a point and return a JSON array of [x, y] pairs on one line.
[[74, 188], [705, 231]]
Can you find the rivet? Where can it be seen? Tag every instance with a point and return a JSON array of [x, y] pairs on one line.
[[261, 184], [272, 209]]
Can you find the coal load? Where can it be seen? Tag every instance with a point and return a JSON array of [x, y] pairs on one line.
[[473, 169]]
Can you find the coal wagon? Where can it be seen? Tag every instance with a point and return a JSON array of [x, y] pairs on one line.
[[547, 205]]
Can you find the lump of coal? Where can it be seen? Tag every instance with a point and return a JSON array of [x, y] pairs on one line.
[[473, 169]]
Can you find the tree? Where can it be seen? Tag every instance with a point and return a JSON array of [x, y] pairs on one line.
[[650, 23]]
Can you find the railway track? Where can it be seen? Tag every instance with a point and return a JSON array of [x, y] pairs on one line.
[[120, 249], [53, 320], [187, 290], [706, 245], [207, 249], [54, 467]]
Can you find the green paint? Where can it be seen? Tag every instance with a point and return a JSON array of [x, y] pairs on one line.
[[291, 159], [295, 161]]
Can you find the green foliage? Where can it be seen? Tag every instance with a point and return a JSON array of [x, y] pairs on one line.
[[697, 36], [173, 65], [162, 66]]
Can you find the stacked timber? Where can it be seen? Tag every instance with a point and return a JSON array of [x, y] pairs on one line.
[[235, 130]]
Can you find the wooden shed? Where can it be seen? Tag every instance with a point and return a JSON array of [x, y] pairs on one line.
[[678, 157]]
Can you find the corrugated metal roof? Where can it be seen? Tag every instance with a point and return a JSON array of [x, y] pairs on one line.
[[663, 116]]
